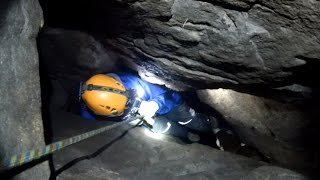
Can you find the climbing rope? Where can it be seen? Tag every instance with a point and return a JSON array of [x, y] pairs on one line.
[[18, 160]]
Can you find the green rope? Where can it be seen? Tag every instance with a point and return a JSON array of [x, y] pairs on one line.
[[18, 160]]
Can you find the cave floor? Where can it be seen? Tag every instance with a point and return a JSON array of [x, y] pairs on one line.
[[127, 153]]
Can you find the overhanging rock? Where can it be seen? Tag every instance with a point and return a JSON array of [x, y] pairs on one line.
[[220, 43]]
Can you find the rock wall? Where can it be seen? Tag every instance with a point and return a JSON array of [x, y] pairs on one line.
[[242, 45], [73, 55], [261, 47], [223, 43], [265, 48], [283, 132], [20, 107], [140, 157]]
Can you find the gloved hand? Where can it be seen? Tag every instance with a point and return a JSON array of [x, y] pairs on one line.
[[148, 108]]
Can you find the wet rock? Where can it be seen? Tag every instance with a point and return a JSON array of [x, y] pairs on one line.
[[282, 132], [20, 107]]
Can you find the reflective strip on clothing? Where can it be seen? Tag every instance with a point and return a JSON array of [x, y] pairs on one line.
[[167, 129], [184, 123]]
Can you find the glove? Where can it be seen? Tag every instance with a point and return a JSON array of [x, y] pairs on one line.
[[148, 108]]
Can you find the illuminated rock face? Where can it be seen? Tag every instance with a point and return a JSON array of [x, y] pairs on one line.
[[282, 132], [222, 43], [210, 43]]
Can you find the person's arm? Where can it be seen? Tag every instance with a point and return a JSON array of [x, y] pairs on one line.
[[167, 101], [165, 98]]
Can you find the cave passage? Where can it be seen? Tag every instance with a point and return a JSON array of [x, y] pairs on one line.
[[83, 38], [233, 85], [62, 119], [61, 73], [128, 148]]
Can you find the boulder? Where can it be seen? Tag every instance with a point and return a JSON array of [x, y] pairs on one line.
[[235, 44], [21, 127], [282, 132], [249, 45]]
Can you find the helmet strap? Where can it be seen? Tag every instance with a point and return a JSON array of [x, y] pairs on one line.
[[91, 87]]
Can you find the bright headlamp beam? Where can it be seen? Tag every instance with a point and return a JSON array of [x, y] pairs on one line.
[[153, 135]]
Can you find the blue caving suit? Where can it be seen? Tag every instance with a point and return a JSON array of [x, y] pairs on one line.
[[166, 99], [171, 107]]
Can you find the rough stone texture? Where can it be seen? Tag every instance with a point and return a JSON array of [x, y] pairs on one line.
[[225, 43], [282, 132], [256, 46], [128, 153], [208, 43], [20, 114], [72, 54], [136, 156], [272, 172]]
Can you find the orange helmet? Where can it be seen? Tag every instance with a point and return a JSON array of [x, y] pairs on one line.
[[104, 95]]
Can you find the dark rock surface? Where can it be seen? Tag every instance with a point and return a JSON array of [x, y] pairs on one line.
[[128, 153], [136, 156], [73, 55], [244, 45], [267, 48], [223, 43], [20, 106], [272, 172], [282, 132]]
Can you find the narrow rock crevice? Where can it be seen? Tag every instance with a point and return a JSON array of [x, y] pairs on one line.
[[253, 64]]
